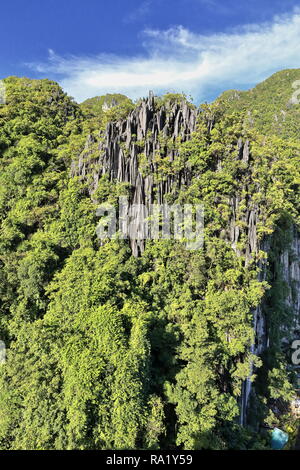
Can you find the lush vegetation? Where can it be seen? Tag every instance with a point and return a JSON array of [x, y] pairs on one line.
[[270, 106], [107, 107], [110, 351]]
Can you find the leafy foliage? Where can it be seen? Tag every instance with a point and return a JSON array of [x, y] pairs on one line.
[[107, 351]]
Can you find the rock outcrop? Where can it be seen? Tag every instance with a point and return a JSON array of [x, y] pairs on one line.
[[151, 132], [289, 268], [290, 263]]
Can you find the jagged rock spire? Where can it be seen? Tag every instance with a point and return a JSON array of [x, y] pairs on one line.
[[150, 129]]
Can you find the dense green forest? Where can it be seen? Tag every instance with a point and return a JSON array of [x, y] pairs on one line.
[[106, 350]]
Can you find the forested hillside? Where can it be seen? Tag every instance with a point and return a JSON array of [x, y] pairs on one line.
[[114, 347]]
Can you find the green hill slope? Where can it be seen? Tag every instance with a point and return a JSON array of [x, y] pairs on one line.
[[272, 107], [106, 350]]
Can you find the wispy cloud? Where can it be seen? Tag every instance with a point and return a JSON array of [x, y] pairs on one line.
[[139, 13], [180, 60]]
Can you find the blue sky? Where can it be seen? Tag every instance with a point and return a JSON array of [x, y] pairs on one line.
[[200, 47]]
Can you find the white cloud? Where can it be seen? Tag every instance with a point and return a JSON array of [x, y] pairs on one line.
[[180, 60]]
